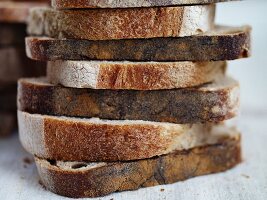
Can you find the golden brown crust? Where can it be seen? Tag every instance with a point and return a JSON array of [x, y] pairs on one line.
[[75, 139], [17, 12], [103, 24], [224, 43], [114, 177], [66, 4], [212, 102], [133, 75]]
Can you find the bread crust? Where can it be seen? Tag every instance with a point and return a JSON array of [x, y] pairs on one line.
[[133, 75], [12, 34], [17, 12], [66, 4], [106, 178], [15, 64], [224, 43], [212, 102], [77, 139], [104, 24]]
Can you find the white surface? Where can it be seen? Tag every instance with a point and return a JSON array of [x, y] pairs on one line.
[[19, 181], [250, 72]]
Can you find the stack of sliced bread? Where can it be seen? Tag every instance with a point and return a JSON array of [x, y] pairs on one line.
[[135, 94], [13, 61]]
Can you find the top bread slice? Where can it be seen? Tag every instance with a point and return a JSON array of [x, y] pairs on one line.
[[103, 24], [17, 12], [66, 4], [133, 75]]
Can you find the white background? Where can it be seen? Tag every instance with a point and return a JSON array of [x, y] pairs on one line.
[[19, 181]]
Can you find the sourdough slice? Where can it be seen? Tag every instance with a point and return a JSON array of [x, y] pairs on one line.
[[133, 75], [213, 102], [12, 34], [14, 64], [81, 179], [103, 24], [17, 12], [224, 43], [66, 138], [66, 4], [7, 123]]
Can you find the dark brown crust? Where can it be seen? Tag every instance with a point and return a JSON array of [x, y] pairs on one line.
[[232, 44], [189, 105], [12, 34], [66, 4], [121, 176]]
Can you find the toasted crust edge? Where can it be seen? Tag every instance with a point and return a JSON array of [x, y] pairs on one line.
[[231, 45], [122, 176], [65, 4], [63, 138], [133, 75], [212, 103]]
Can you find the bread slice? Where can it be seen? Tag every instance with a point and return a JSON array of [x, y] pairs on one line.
[[224, 43], [12, 34], [15, 64], [103, 24], [7, 123], [82, 179], [17, 12], [133, 75], [66, 138], [212, 102], [66, 4]]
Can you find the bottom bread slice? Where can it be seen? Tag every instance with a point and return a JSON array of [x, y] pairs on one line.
[[78, 179]]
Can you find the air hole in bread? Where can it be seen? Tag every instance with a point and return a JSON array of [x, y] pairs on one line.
[[199, 31], [78, 165], [52, 162]]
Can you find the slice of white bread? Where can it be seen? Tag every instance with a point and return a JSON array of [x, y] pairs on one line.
[[66, 4], [75, 139], [133, 75], [82, 179], [103, 24]]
